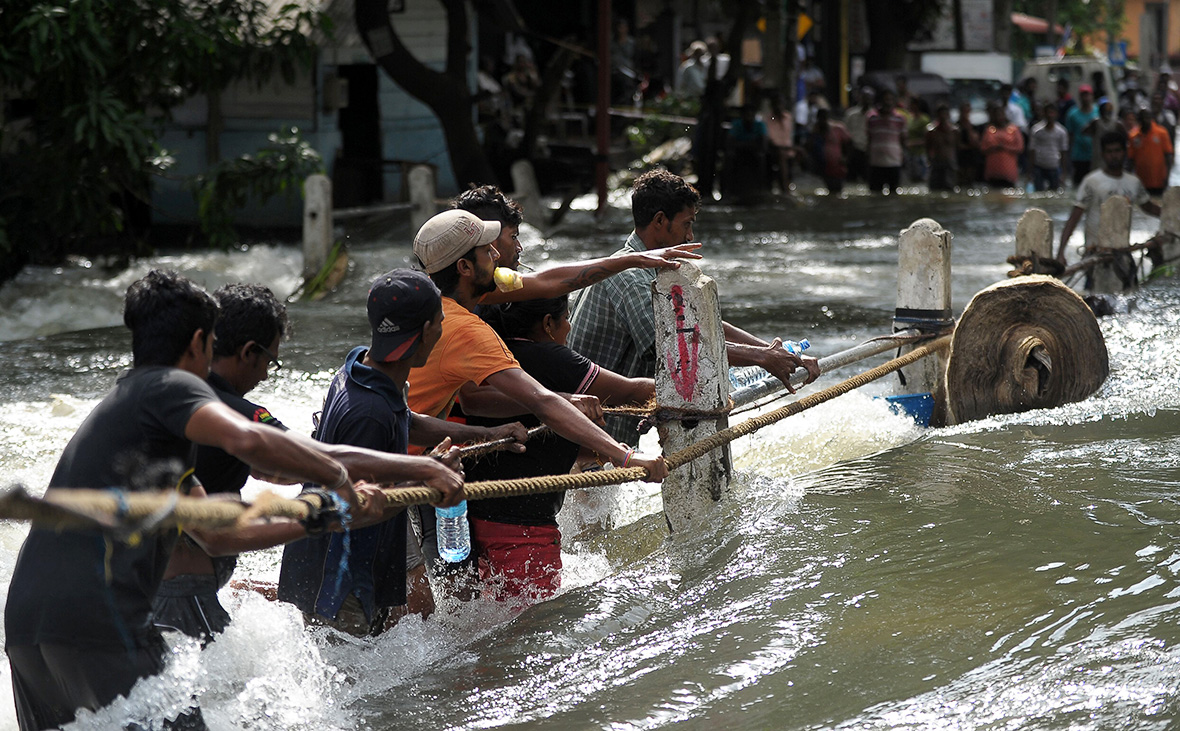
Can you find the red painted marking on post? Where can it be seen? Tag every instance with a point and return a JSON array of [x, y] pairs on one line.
[[684, 372]]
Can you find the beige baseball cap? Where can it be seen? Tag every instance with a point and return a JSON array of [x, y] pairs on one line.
[[444, 239]]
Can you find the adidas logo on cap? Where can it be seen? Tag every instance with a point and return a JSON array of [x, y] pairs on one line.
[[387, 327]]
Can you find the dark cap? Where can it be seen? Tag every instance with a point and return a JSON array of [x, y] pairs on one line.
[[400, 302]]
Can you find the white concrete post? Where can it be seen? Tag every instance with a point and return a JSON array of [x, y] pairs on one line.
[[1034, 238], [924, 302], [1170, 223], [692, 374], [1114, 232], [422, 195], [317, 224], [527, 191]]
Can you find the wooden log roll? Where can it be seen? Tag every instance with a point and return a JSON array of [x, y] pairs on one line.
[[1023, 344]]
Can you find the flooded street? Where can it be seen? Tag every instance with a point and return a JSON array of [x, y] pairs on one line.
[[1015, 572]]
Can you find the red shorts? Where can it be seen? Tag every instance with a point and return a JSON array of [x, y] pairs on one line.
[[518, 560]]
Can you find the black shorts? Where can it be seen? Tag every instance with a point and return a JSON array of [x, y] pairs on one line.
[[189, 604], [51, 683]]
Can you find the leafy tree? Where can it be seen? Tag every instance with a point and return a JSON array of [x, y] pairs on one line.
[[229, 185], [1095, 20], [88, 86]]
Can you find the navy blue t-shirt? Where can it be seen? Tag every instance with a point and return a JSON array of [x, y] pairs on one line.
[[364, 408], [65, 588]]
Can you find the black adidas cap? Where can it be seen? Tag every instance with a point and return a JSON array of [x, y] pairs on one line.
[[400, 303]]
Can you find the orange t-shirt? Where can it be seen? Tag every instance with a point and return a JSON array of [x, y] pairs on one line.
[[1147, 151], [469, 350]]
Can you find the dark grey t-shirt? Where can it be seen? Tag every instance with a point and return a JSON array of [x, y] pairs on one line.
[[66, 588]]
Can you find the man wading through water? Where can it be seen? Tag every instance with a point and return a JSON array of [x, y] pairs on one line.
[[78, 623], [1096, 187]]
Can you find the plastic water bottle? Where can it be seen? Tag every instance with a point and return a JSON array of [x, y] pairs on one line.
[[740, 377], [454, 536], [796, 348]]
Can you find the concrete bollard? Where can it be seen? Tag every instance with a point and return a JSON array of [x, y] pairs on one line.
[[527, 192], [1034, 239], [1114, 232], [317, 224], [1170, 224], [692, 374], [422, 195], [924, 302]]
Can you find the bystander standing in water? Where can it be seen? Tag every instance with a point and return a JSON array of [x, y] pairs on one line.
[[832, 147], [1078, 124], [1001, 145], [942, 141], [856, 120], [887, 130], [968, 154], [1048, 142], [1150, 153]]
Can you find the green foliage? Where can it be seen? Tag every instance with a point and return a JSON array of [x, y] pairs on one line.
[[1095, 20], [88, 85], [280, 167], [655, 128]]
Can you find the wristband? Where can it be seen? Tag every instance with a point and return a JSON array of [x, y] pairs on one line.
[[627, 457]]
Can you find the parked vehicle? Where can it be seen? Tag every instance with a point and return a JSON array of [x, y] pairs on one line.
[[974, 78], [977, 93], [1077, 70], [930, 87], [953, 65]]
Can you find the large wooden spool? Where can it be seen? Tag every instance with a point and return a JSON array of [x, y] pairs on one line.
[[1027, 343]]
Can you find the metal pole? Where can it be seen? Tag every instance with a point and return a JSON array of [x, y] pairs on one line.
[[602, 116], [770, 385]]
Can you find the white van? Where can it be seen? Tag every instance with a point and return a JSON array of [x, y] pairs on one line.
[[1076, 70]]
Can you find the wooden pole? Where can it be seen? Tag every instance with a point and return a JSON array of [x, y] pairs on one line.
[[1034, 238], [692, 374], [924, 302], [1114, 233], [317, 224]]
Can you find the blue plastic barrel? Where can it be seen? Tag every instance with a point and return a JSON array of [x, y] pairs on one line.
[[918, 406]]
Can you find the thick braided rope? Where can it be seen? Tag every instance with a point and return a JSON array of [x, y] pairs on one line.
[[556, 483], [216, 513]]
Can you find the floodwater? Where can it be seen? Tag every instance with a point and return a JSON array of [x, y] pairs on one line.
[[1017, 572]]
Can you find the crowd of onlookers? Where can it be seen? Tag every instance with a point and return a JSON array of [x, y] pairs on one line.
[[887, 137]]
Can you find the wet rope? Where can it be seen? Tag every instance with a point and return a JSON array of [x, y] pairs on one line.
[[89, 507], [650, 412]]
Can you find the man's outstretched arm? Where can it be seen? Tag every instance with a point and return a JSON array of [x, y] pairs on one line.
[[559, 280]]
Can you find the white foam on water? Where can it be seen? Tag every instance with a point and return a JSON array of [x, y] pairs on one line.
[[850, 426], [85, 296]]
